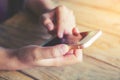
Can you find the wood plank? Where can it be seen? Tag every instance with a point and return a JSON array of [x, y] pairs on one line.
[[64, 73], [90, 69], [107, 5], [104, 20], [96, 18], [13, 75], [101, 60], [103, 49]]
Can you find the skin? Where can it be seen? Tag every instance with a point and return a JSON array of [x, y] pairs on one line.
[[56, 19]]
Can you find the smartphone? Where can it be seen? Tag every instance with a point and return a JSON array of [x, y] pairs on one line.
[[81, 40]]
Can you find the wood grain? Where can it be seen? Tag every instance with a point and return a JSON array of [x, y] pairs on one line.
[[90, 69], [89, 18], [95, 18], [101, 60], [107, 5], [13, 75]]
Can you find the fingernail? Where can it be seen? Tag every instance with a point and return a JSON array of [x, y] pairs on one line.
[[77, 30], [60, 35]]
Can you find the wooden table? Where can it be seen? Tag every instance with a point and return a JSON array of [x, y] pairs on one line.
[[101, 60]]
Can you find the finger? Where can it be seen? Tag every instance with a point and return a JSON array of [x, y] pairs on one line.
[[63, 60], [60, 11], [59, 61], [47, 21], [54, 51], [60, 32], [79, 55], [68, 31], [75, 31], [48, 24], [74, 56], [70, 52]]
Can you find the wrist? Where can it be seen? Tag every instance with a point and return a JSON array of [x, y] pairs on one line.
[[5, 58], [9, 59]]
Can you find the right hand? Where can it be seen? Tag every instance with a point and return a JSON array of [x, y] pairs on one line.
[[33, 56], [60, 21]]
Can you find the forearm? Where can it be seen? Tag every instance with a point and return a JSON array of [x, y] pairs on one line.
[[7, 59], [3, 58], [40, 6]]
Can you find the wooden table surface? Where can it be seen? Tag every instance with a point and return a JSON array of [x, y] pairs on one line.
[[101, 60]]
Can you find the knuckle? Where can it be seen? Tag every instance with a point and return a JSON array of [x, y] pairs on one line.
[[35, 53], [54, 52], [43, 17], [61, 7], [46, 21]]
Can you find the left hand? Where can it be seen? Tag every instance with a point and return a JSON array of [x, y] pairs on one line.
[[60, 20], [36, 56]]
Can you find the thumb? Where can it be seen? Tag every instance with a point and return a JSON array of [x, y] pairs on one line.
[[55, 51]]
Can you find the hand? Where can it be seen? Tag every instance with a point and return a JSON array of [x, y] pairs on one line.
[[33, 56], [61, 20]]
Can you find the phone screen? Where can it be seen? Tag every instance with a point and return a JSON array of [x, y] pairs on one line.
[[83, 39], [67, 39]]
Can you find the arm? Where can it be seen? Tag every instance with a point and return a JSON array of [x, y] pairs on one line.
[[32, 56], [6, 59], [36, 56]]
